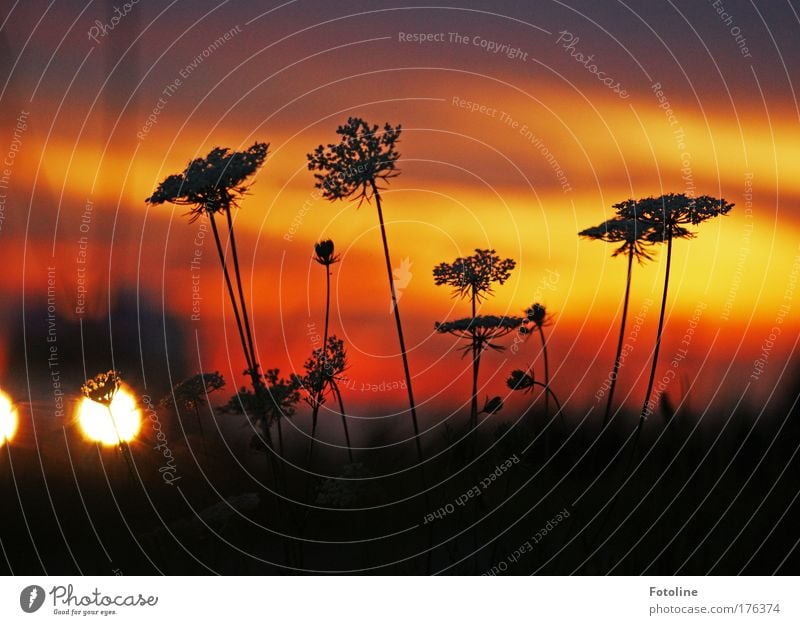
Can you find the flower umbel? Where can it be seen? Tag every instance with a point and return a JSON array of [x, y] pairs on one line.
[[324, 253], [352, 167], [473, 276], [102, 387], [211, 184]]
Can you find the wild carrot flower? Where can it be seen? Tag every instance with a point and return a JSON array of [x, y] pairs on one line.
[[323, 253], [211, 184], [472, 277], [323, 371], [352, 167], [635, 237], [364, 157], [193, 393], [493, 405], [668, 217], [103, 387], [276, 402], [520, 381]]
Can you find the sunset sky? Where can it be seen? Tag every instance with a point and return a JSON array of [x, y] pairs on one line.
[[90, 126]]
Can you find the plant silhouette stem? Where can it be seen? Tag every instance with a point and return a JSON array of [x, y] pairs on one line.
[[473, 418], [231, 294], [200, 426], [314, 419], [546, 373], [242, 302], [621, 338], [645, 407], [397, 321], [327, 312], [344, 421]]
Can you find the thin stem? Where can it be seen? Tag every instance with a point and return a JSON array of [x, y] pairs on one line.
[[280, 436], [200, 426], [645, 407], [473, 419], [621, 338], [344, 421], [397, 321], [122, 446], [314, 418], [242, 302], [327, 310], [231, 294], [546, 372]]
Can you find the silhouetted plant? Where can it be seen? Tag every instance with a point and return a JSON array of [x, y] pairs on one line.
[[667, 217], [635, 237], [323, 371], [192, 393], [481, 332], [102, 389], [524, 382], [493, 405], [352, 168], [472, 278], [536, 318], [210, 186], [277, 401]]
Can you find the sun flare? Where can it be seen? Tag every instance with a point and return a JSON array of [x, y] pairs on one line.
[[8, 418], [97, 424]]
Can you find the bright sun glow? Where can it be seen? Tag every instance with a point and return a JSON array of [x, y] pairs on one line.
[[8, 418], [98, 425]]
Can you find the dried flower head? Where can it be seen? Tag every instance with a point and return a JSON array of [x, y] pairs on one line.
[[473, 276], [278, 400], [493, 405], [213, 183], [520, 381], [102, 387], [668, 215], [324, 253], [635, 236], [192, 393], [480, 330], [322, 370], [352, 167], [536, 314]]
